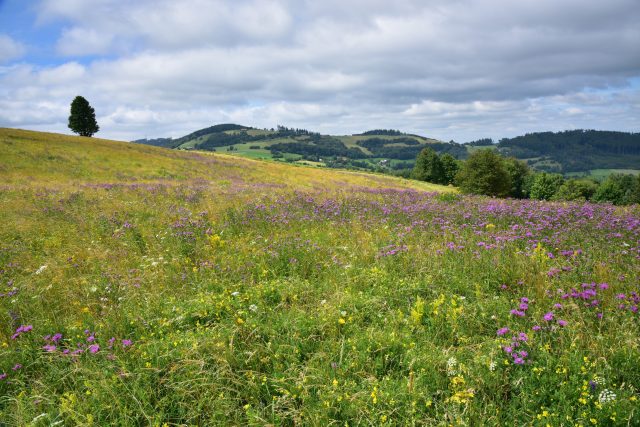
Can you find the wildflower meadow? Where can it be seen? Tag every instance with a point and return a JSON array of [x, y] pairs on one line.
[[142, 286]]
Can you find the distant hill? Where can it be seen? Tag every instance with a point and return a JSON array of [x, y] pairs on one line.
[[575, 150], [373, 149]]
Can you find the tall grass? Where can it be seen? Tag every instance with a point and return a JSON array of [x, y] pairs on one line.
[[141, 286]]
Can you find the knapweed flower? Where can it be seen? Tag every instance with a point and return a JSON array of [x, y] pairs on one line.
[[518, 361], [562, 323], [49, 348], [21, 330], [3, 376], [94, 348], [16, 367], [536, 328], [126, 343], [548, 316], [502, 331]]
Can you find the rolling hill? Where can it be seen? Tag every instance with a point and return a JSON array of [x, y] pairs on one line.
[[568, 152], [373, 149]]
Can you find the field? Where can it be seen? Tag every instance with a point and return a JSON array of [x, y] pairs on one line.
[[143, 286], [602, 174]]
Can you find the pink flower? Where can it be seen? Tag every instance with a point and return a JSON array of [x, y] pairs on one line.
[[548, 316], [502, 331], [94, 348], [562, 323], [126, 343]]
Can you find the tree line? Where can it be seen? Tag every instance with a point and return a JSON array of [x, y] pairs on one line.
[[486, 172]]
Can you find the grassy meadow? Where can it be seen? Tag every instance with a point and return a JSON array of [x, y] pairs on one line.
[[144, 286]]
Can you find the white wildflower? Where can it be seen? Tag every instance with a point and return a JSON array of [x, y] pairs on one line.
[[606, 395], [253, 307], [451, 366], [41, 269]]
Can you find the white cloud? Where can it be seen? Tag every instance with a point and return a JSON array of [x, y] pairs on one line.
[[79, 41], [456, 69], [10, 49]]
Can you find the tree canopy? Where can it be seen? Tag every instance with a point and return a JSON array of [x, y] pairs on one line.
[[82, 119], [484, 173]]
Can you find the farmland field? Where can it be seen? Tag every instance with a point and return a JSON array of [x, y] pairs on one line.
[[143, 286]]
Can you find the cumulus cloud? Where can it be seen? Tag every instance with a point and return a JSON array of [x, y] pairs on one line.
[[9, 49], [453, 69]]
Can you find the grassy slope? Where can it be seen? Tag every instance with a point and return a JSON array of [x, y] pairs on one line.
[[258, 293], [28, 157]]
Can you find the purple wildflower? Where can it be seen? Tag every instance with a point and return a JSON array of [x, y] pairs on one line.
[[21, 329], [3, 376], [49, 348], [548, 316], [562, 323], [518, 361], [502, 331], [536, 328], [126, 343], [94, 348], [16, 367]]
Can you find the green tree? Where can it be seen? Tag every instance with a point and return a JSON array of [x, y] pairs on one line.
[[518, 172], [545, 185], [618, 189], [484, 173], [82, 119], [450, 168], [428, 167], [576, 189]]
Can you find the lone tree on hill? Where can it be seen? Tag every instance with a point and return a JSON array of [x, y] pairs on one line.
[[82, 119]]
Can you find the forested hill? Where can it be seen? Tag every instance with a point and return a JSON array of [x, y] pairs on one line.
[[575, 150], [563, 152]]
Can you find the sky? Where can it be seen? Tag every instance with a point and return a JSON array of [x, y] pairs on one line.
[[448, 69]]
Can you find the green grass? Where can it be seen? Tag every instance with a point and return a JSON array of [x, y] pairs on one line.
[[259, 293], [602, 174]]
